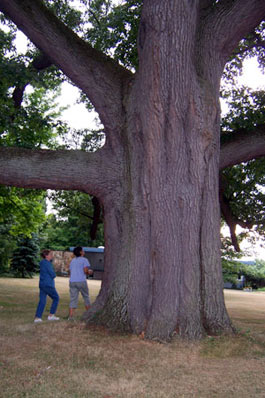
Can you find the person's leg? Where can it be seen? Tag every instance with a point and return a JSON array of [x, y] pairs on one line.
[[74, 293], [41, 305], [52, 293], [85, 293]]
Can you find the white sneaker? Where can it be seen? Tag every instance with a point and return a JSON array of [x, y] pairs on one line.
[[53, 318], [36, 320]]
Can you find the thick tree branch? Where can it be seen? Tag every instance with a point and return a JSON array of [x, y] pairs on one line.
[[226, 23], [231, 220], [241, 146], [94, 73], [61, 169], [236, 19]]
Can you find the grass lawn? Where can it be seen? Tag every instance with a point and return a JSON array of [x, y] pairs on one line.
[[66, 359]]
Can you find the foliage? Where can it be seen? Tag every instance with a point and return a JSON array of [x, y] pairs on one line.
[[244, 183], [29, 119], [34, 125], [65, 11], [22, 212], [24, 262], [254, 274], [23, 209], [245, 109], [85, 139], [7, 245], [72, 223], [250, 46], [114, 29], [231, 270]]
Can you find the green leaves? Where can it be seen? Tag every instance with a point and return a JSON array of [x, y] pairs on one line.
[[114, 29], [246, 109], [22, 212], [251, 46], [243, 184], [72, 223], [22, 209]]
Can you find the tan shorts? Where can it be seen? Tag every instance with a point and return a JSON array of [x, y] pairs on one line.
[[75, 288]]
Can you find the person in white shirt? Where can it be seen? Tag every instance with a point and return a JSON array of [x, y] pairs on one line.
[[79, 269]]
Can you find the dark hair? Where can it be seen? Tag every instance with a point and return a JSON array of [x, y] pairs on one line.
[[45, 253], [77, 251]]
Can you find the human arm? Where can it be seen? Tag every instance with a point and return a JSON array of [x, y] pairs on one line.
[[87, 269], [49, 269]]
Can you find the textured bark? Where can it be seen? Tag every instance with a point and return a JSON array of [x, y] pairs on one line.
[[61, 169], [157, 176], [96, 218]]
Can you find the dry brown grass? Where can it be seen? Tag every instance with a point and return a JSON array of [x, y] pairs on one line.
[[65, 359]]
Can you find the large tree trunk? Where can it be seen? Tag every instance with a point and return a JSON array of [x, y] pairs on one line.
[[163, 224]]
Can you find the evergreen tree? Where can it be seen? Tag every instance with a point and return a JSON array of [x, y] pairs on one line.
[[7, 245], [24, 262]]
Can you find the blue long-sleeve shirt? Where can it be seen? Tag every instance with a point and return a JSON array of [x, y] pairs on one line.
[[47, 274]]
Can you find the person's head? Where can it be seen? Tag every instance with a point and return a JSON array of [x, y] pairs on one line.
[[47, 254], [78, 251]]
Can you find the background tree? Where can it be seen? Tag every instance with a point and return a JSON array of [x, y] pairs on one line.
[[254, 274], [25, 258], [7, 245], [242, 186], [28, 118], [75, 223], [22, 212], [157, 175]]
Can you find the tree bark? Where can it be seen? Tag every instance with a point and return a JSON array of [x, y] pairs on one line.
[[166, 252], [157, 176]]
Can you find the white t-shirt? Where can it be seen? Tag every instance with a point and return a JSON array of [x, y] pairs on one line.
[[77, 266]]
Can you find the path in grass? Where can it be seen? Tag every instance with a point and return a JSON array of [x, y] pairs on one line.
[[64, 359]]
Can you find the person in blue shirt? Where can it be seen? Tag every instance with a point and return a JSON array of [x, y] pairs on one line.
[[79, 269], [47, 287]]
